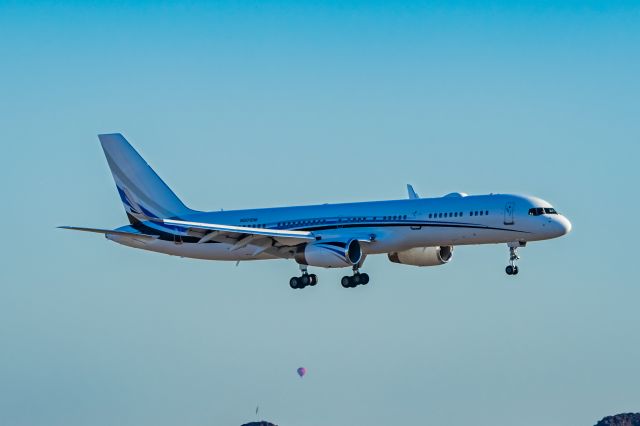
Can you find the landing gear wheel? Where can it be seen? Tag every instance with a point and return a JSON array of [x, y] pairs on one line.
[[305, 280], [293, 283], [509, 270], [346, 282], [515, 270], [356, 280]]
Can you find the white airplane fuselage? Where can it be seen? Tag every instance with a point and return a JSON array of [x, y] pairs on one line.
[[391, 226]]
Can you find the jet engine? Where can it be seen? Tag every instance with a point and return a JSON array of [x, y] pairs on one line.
[[330, 254], [423, 256]]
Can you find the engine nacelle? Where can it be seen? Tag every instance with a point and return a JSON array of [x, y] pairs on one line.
[[423, 256], [330, 253]]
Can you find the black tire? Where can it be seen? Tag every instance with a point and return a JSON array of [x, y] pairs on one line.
[[356, 279], [515, 270], [509, 270], [304, 280], [346, 282], [364, 279], [314, 279], [293, 283]]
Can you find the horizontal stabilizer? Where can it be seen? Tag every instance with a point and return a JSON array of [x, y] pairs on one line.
[[110, 232]]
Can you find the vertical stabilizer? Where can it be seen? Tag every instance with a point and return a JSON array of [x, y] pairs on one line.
[[144, 195]]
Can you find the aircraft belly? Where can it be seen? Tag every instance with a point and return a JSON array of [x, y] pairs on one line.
[[404, 238], [206, 251]]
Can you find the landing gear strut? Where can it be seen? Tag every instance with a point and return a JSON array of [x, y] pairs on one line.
[[305, 280], [355, 280], [512, 268]]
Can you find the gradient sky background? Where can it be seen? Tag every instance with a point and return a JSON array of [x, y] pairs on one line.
[[256, 104]]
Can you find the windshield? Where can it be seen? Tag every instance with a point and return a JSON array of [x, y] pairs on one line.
[[537, 211]]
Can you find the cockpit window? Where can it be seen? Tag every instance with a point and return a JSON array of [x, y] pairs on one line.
[[537, 211]]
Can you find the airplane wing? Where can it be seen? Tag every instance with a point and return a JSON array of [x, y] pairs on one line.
[[111, 232], [243, 233]]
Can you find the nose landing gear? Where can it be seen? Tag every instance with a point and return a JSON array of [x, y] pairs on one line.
[[512, 268]]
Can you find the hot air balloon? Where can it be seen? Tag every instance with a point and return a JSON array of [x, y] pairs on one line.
[[301, 371]]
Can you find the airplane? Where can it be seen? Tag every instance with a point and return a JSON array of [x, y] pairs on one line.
[[413, 231]]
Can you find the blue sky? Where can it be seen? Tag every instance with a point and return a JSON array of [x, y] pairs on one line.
[[272, 103]]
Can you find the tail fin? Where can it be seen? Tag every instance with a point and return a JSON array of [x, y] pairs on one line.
[[144, 195]]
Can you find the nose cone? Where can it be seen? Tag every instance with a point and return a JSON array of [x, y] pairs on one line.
[[562, 225]]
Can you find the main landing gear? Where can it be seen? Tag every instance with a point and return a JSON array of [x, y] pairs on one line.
[[355, 280], [512, 268], [305, 280]]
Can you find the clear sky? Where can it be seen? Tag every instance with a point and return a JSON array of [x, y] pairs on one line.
[[256, 104]]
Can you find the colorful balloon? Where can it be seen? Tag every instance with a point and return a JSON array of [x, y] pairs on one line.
[[301, 371]]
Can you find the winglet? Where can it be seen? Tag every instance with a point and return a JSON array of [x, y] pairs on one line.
[[412, 193]]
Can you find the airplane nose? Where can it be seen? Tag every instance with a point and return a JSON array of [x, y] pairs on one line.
[[563, 224]]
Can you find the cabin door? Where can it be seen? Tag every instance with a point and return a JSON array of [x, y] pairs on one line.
[[508, 213]]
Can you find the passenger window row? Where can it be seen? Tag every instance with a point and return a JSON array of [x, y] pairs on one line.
[[439, 215], [396, 217], [393, 217], [346, 219], [302, 222], [532, 212], [458, 214]]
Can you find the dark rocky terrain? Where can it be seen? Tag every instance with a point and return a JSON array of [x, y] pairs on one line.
[[627, 419]]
